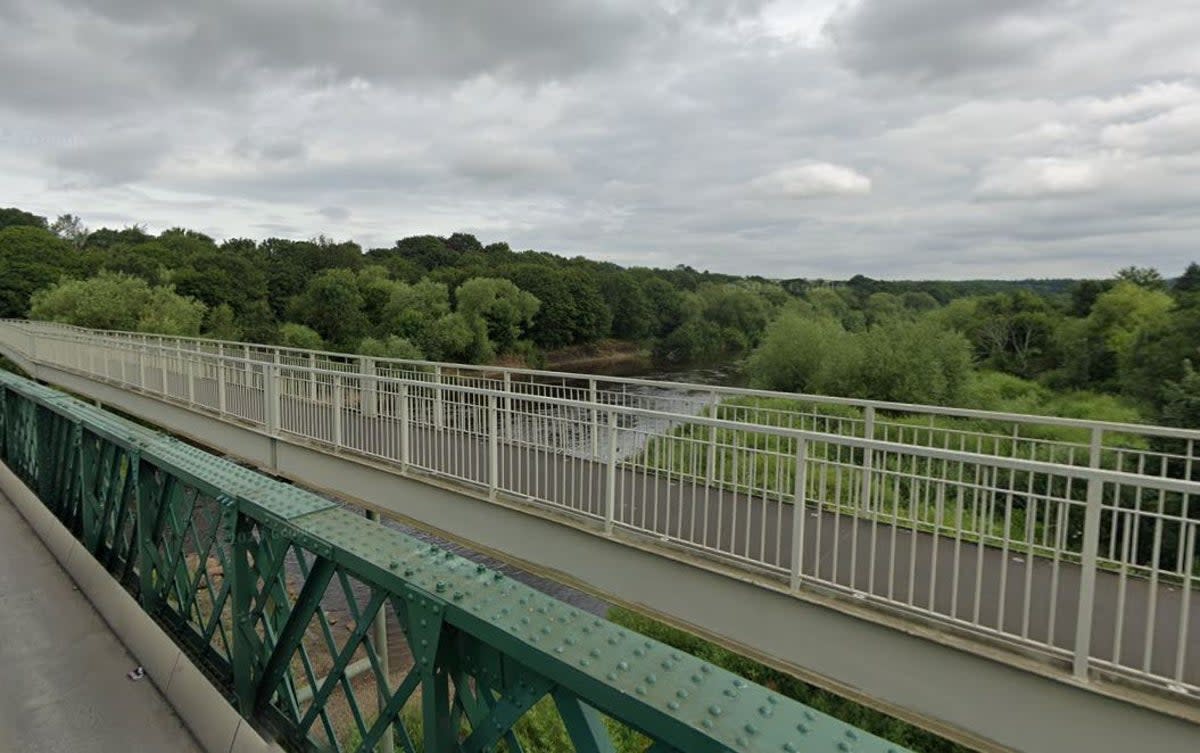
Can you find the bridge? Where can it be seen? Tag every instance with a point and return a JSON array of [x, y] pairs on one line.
[[1012, 582]]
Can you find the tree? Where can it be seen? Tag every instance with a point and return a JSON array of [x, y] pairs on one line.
[[13, 217], [504, 310], [1084, 294], [412, 309], [219, 277], [902, 361], [1181, 399], [802, 354], [117, 301], [376, 290], [1189, 281], [738, 310], [1144, 277], [71, 229], [464, 243], [920, 301], [390, 347], [332, 305], [881, 307], [106, 238], [221, 324], [450, 338], [292, 335], [632, 312], [30, 258], [1099, 351]]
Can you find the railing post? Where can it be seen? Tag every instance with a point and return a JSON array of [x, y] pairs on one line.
[[1087, 578], [610, 487], [249, 369], [221, 385], [711, 463], [798, 511], [338, 401], [370, 391], [592, 395], [162, 364], [439, 418], [271, 407], [190, 366], [405, 427], [1096, 448], [141, 353], [508, 423], [493, 448], [868, 456], [312, 377]]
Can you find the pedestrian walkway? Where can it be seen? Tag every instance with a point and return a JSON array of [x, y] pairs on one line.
[[63, 684]]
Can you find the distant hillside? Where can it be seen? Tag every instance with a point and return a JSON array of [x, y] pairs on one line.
[[942, 290]]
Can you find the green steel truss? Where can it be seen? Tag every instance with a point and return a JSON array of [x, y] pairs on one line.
[[274, 591]]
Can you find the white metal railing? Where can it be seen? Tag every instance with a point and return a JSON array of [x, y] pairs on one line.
[[1078, 547]]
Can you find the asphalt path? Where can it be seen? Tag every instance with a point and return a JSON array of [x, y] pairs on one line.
[[64, 686]]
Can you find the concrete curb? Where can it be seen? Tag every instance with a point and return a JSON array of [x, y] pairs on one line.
[[214, 723]]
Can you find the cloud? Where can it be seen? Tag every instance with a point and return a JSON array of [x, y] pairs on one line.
[[111, 158], [1036, 178], [334, 214], [789, 138], [813, 179], [935, 39]]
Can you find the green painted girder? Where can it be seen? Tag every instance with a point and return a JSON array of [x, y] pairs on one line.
[[513, 644]]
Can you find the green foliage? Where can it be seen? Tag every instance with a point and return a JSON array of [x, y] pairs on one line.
[[1189, 281], [294, 335], [389, 347], [802, 354], [221, 324], [13, 217], [1181, 399], [1144, 277], [497, 311], [71, 229], [117, 301], [899, 360], [333, 306], [30, 258]]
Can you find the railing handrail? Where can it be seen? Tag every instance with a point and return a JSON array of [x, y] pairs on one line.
[[1080, 472], [1148, 430]]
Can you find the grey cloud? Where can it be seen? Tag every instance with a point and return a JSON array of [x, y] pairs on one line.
[[272, 150], [681, 131], [405, 42], [111, 158], [334, 214], [935, 39]]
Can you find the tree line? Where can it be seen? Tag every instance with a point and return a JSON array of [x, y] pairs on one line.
[[1127, 344]]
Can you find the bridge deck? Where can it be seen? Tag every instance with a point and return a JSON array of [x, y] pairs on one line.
[[64, 686]]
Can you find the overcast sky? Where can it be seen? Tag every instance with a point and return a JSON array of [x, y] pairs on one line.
[[810, 138]]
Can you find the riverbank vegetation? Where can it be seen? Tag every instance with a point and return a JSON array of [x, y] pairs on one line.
[[1118, 347]]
